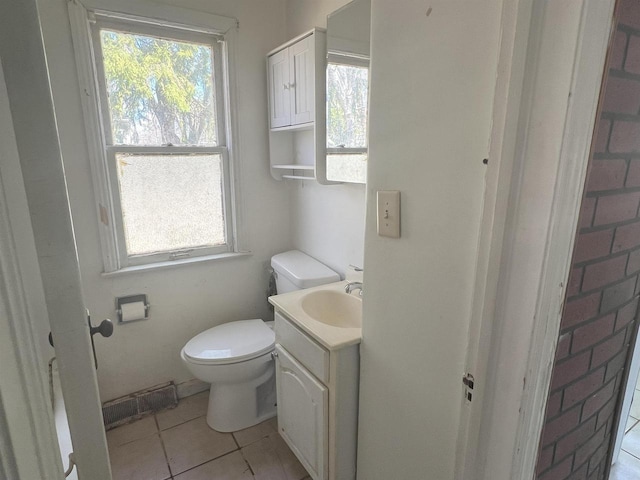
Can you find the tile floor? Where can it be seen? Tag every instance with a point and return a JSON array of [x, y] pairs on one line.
[[628, 465], [178, 444]]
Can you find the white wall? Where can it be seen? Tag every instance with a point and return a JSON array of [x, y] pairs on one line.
[[185, 300], [433, 76], [327, 221]]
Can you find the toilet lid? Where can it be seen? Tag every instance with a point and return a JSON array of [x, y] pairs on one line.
[[231, 342]]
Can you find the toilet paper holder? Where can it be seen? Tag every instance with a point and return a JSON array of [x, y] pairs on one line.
[[120, 301]]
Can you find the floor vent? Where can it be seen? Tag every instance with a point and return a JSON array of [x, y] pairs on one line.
[[125, 409]]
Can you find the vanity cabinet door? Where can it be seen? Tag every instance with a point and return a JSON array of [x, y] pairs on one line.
[[279, 89], [302, 414]]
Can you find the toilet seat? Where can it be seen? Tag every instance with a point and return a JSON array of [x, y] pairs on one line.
[[230, 343]]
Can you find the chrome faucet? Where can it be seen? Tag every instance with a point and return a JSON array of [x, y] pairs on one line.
[[351, 286]]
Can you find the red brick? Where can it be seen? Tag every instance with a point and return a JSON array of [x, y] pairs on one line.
[[626, 314], [592, 245], [564, 344], [582, 389], [558, 472], [576, 438], [589, 448], [633, 175], [599, 455], [615, 366], [621, 95], [592, 333], [629, 13], [605, 413], [627, 237], [633, 265], [603, 128], [617, 52], [618, 294], [632, 63], [587, 209], [560, 426], [603, 273], [578, 473], [574, 282], [625, 137], [554, 404], [598, 400], [606, 174], [581, 309], [617, 208], [567, 371], [545, 457], [607, 350]]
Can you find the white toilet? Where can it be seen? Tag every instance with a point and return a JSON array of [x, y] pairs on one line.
[[236, 357]]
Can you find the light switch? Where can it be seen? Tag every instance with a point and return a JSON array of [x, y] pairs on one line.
[[389, 213]]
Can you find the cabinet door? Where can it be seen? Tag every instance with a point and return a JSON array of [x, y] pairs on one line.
[[279, 89], [302, 414], [302, 78]]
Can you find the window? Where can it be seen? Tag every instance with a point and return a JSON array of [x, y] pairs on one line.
[[347, 107], [163, 124]]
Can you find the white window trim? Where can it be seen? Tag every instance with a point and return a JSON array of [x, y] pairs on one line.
[[113, 252]]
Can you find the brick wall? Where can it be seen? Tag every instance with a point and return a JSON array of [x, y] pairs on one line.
[[598, 321]]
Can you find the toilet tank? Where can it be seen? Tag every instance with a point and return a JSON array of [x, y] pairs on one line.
[[296, 270]]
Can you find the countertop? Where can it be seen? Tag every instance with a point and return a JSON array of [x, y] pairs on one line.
[[330, 337]]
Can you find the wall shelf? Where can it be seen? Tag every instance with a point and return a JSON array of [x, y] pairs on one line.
[[296, 74]]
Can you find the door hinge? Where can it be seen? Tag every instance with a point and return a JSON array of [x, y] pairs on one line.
[[469, 383]]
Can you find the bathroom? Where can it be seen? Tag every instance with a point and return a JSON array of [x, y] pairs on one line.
[[433, 116]]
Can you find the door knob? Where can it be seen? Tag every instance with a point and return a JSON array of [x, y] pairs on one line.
[[105, 328]]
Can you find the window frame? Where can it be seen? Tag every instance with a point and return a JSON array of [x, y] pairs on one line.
[[351, 60], [173, 24]]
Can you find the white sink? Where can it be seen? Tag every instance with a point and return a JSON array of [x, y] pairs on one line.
[[334, 308]]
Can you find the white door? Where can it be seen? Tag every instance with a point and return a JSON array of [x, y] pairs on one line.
[[279, 102], [302, 413], [302, 78], [37, 148]]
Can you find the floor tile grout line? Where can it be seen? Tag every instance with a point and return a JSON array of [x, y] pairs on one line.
[[164, 449], [219, 457]]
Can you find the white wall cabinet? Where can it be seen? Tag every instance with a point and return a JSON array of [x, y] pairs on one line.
[[292, 84], [296, 77], [317, 401]]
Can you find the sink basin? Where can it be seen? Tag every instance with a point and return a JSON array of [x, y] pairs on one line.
[[334, 308]]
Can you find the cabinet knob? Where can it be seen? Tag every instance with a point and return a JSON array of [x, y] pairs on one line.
[[285, 86], [292, 85]]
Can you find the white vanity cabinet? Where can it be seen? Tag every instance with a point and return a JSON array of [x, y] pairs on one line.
[[317, 401], [296, 79]]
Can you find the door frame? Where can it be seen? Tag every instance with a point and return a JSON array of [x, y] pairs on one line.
[[38, 151], [24, 399], [551, 66]]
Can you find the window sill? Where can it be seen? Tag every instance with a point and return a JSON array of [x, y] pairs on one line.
[[174, 263]]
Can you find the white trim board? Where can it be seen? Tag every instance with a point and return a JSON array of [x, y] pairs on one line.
[[566, 51], [28, 443]]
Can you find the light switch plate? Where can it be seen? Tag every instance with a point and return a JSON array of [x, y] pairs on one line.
[[389, 213]]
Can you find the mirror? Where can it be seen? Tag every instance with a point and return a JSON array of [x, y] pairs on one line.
[[348, 33]]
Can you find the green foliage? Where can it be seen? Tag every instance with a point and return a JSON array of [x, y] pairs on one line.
[[160, 91]]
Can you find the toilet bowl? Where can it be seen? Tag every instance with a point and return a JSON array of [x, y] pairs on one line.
[[235, 358]]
